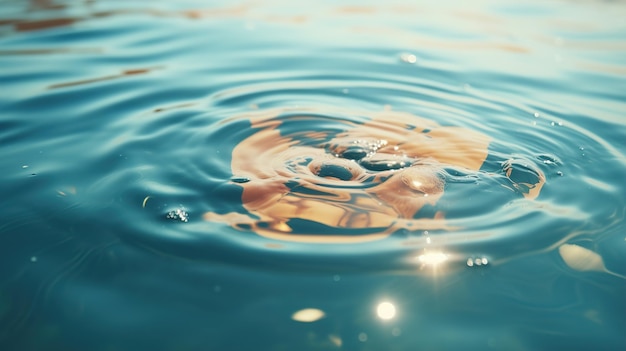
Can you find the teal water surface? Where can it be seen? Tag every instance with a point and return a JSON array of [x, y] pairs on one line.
[[135, 137]]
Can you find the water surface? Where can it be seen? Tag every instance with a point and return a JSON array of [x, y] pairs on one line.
[[278, 176]]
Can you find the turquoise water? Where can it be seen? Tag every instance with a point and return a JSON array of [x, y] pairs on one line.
[[137, 136]]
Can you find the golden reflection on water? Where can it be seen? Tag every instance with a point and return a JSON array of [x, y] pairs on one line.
[[129, 72], [367, 181], [308, 315]]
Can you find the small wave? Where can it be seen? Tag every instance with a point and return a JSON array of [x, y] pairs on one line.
[[312, 177]]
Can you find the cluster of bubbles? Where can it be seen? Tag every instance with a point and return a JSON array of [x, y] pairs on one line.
[[178, 214], [477, 261]]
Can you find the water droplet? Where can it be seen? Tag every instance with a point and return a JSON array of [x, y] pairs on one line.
[[408, 58], [536, 114], [33, 259], [548, 159], [477, 261], [25, 166], [559, 173]]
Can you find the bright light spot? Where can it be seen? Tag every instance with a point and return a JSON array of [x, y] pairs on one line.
[[432, 258], [580, 258], [478, 261], [417, 184], [408, 58], [386, 310], [336, 340], [308, 315]]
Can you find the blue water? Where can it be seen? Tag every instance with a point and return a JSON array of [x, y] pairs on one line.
[[123, 126]]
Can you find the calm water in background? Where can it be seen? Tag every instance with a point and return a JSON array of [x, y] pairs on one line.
[[105, 104]]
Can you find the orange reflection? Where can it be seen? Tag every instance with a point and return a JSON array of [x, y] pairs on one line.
[[24, 26], [46, 5], [372, 179], [129, 72]]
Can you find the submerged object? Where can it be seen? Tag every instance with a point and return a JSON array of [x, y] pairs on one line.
[[351, 182]]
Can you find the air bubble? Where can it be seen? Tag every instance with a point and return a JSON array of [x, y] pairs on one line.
[[477, 261], [548, 159]]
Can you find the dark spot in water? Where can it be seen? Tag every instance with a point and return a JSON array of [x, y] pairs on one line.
[[385, 164], [240, 179], [334, 171], [354, 153], [524, 175]]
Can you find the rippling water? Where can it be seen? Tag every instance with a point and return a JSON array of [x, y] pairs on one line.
[[304, 176]]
